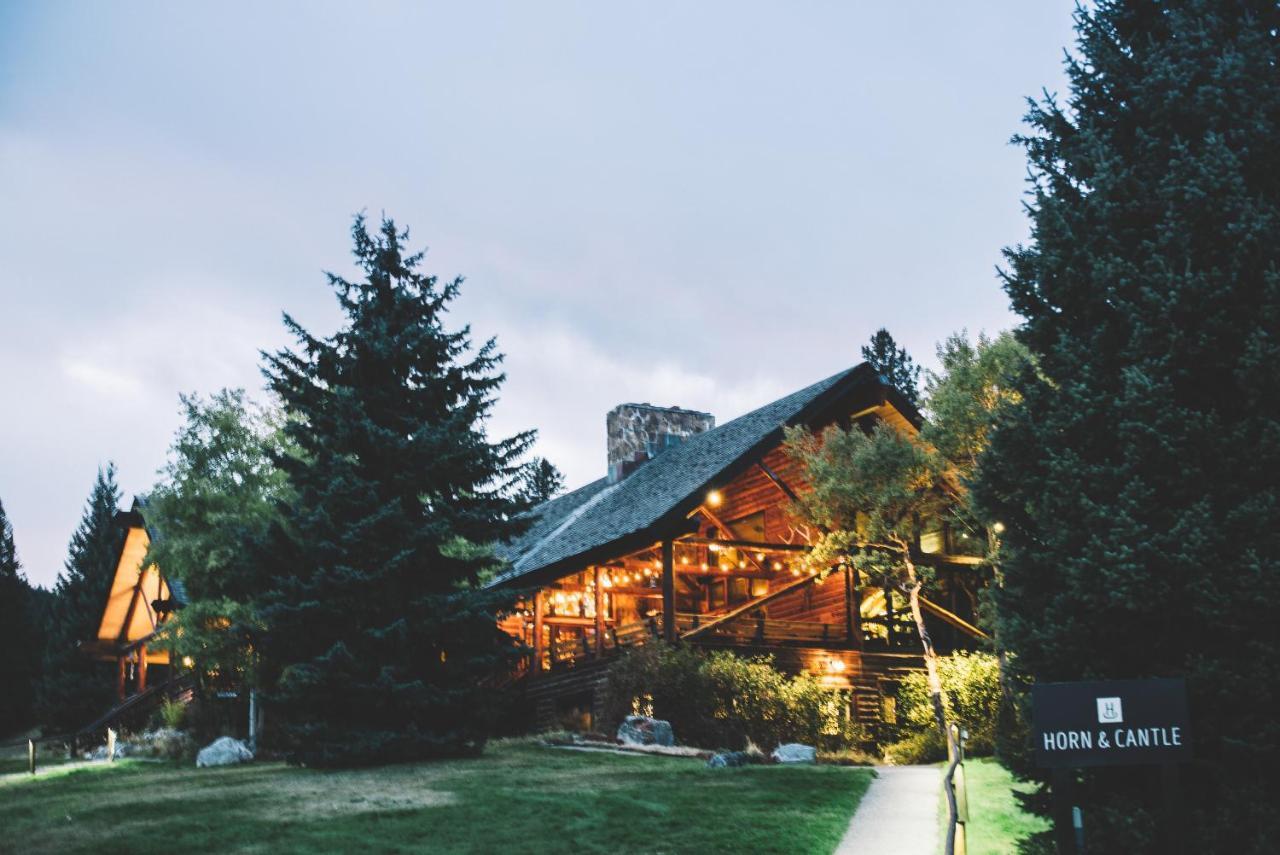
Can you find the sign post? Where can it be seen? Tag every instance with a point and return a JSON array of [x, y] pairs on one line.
[[1110, 723]]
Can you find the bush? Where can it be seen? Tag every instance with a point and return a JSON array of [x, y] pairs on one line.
[[719, 700], [923, 746], [971, 685], [172, 714]]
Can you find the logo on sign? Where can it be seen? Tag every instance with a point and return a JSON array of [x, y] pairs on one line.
[[1110, 711]]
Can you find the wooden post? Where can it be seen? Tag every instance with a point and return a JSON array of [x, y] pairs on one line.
[[1063, 783], [537, 634], [668, 592], [1172, 831], [599, 614], [31, 756], [891, 624], [111, 745], [120, 672], [851, 614], [142, 669]]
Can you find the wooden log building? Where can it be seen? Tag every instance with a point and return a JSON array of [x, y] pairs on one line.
[[687, 538]]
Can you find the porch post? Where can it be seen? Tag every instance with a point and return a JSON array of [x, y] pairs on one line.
[[668, 591], [537, 634], [852, 610], [599, 613], [142, 669], [120, 671]]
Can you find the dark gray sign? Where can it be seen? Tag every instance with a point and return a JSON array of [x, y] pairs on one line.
[[1111, 723]]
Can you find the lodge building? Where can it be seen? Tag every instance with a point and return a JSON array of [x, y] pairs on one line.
[[688, 538]]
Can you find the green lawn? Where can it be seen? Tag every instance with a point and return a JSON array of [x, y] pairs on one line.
[[518, 797], [996, 822]]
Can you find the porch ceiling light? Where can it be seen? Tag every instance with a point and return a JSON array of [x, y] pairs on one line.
[[715, 498]]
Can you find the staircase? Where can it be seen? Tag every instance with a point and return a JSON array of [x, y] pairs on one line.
[[134, 710]]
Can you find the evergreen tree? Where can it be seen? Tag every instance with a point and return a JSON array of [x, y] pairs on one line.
[[18, 669], [1137, 478], [542, 481], [894, 365], [381, 633], [75, 688]]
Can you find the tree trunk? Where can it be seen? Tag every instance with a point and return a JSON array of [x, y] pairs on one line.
[[930, 655], [935, 695]]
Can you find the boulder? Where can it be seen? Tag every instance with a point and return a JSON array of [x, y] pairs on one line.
[[224, 751], [728, 759], [794, 752], [643, 730]]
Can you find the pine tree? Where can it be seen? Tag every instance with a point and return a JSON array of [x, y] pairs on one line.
[[18, 666], [381, 633], [74, 688], [893, 364], [542, 481], [1137, 479]]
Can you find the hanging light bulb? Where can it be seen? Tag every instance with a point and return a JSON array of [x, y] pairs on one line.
[[759, 556]]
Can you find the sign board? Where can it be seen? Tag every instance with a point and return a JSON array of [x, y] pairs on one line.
[[1111, 723]]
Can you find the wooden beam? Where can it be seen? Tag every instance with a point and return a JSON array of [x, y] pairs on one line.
[[142, 669], [599, 613], [952, 618], [120, 672], [537, 634], [777, 481], [852, 609], [746, 544], [738, 611], [726, 532], [668, 591]]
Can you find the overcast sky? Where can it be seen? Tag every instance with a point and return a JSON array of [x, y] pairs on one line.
[[705, 205]]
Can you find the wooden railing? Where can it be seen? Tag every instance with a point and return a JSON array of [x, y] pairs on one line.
[[756, 628]]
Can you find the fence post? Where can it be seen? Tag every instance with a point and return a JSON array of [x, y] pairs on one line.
[[111, 745], [31, 756]]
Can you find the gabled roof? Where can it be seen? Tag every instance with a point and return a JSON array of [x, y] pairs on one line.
[[660, 493], [136, 517]]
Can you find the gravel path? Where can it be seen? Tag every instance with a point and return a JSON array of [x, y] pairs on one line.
[[899, 814]]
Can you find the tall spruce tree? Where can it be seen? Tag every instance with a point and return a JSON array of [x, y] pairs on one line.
[[542, 481], [18, 664], [1137, 479], [74, 688], [894, 364], [381, 633]]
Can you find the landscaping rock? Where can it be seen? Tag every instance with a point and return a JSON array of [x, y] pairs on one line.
[[642, 730], [794, 752], [165, 742], [100, 753], [224, 751], [728, 759]]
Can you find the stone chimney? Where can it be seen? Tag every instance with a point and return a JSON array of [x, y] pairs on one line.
[[640, 432]]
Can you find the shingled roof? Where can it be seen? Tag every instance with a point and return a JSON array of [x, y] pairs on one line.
[[663, 490]]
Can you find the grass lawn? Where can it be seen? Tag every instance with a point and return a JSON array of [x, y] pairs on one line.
[[996, 822], [518, 797]]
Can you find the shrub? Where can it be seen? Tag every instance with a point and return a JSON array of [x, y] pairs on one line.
[[971, 684], [172, 714], [922, 746], [719, 700]]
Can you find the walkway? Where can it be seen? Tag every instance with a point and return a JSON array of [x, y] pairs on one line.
[[898, 815]]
